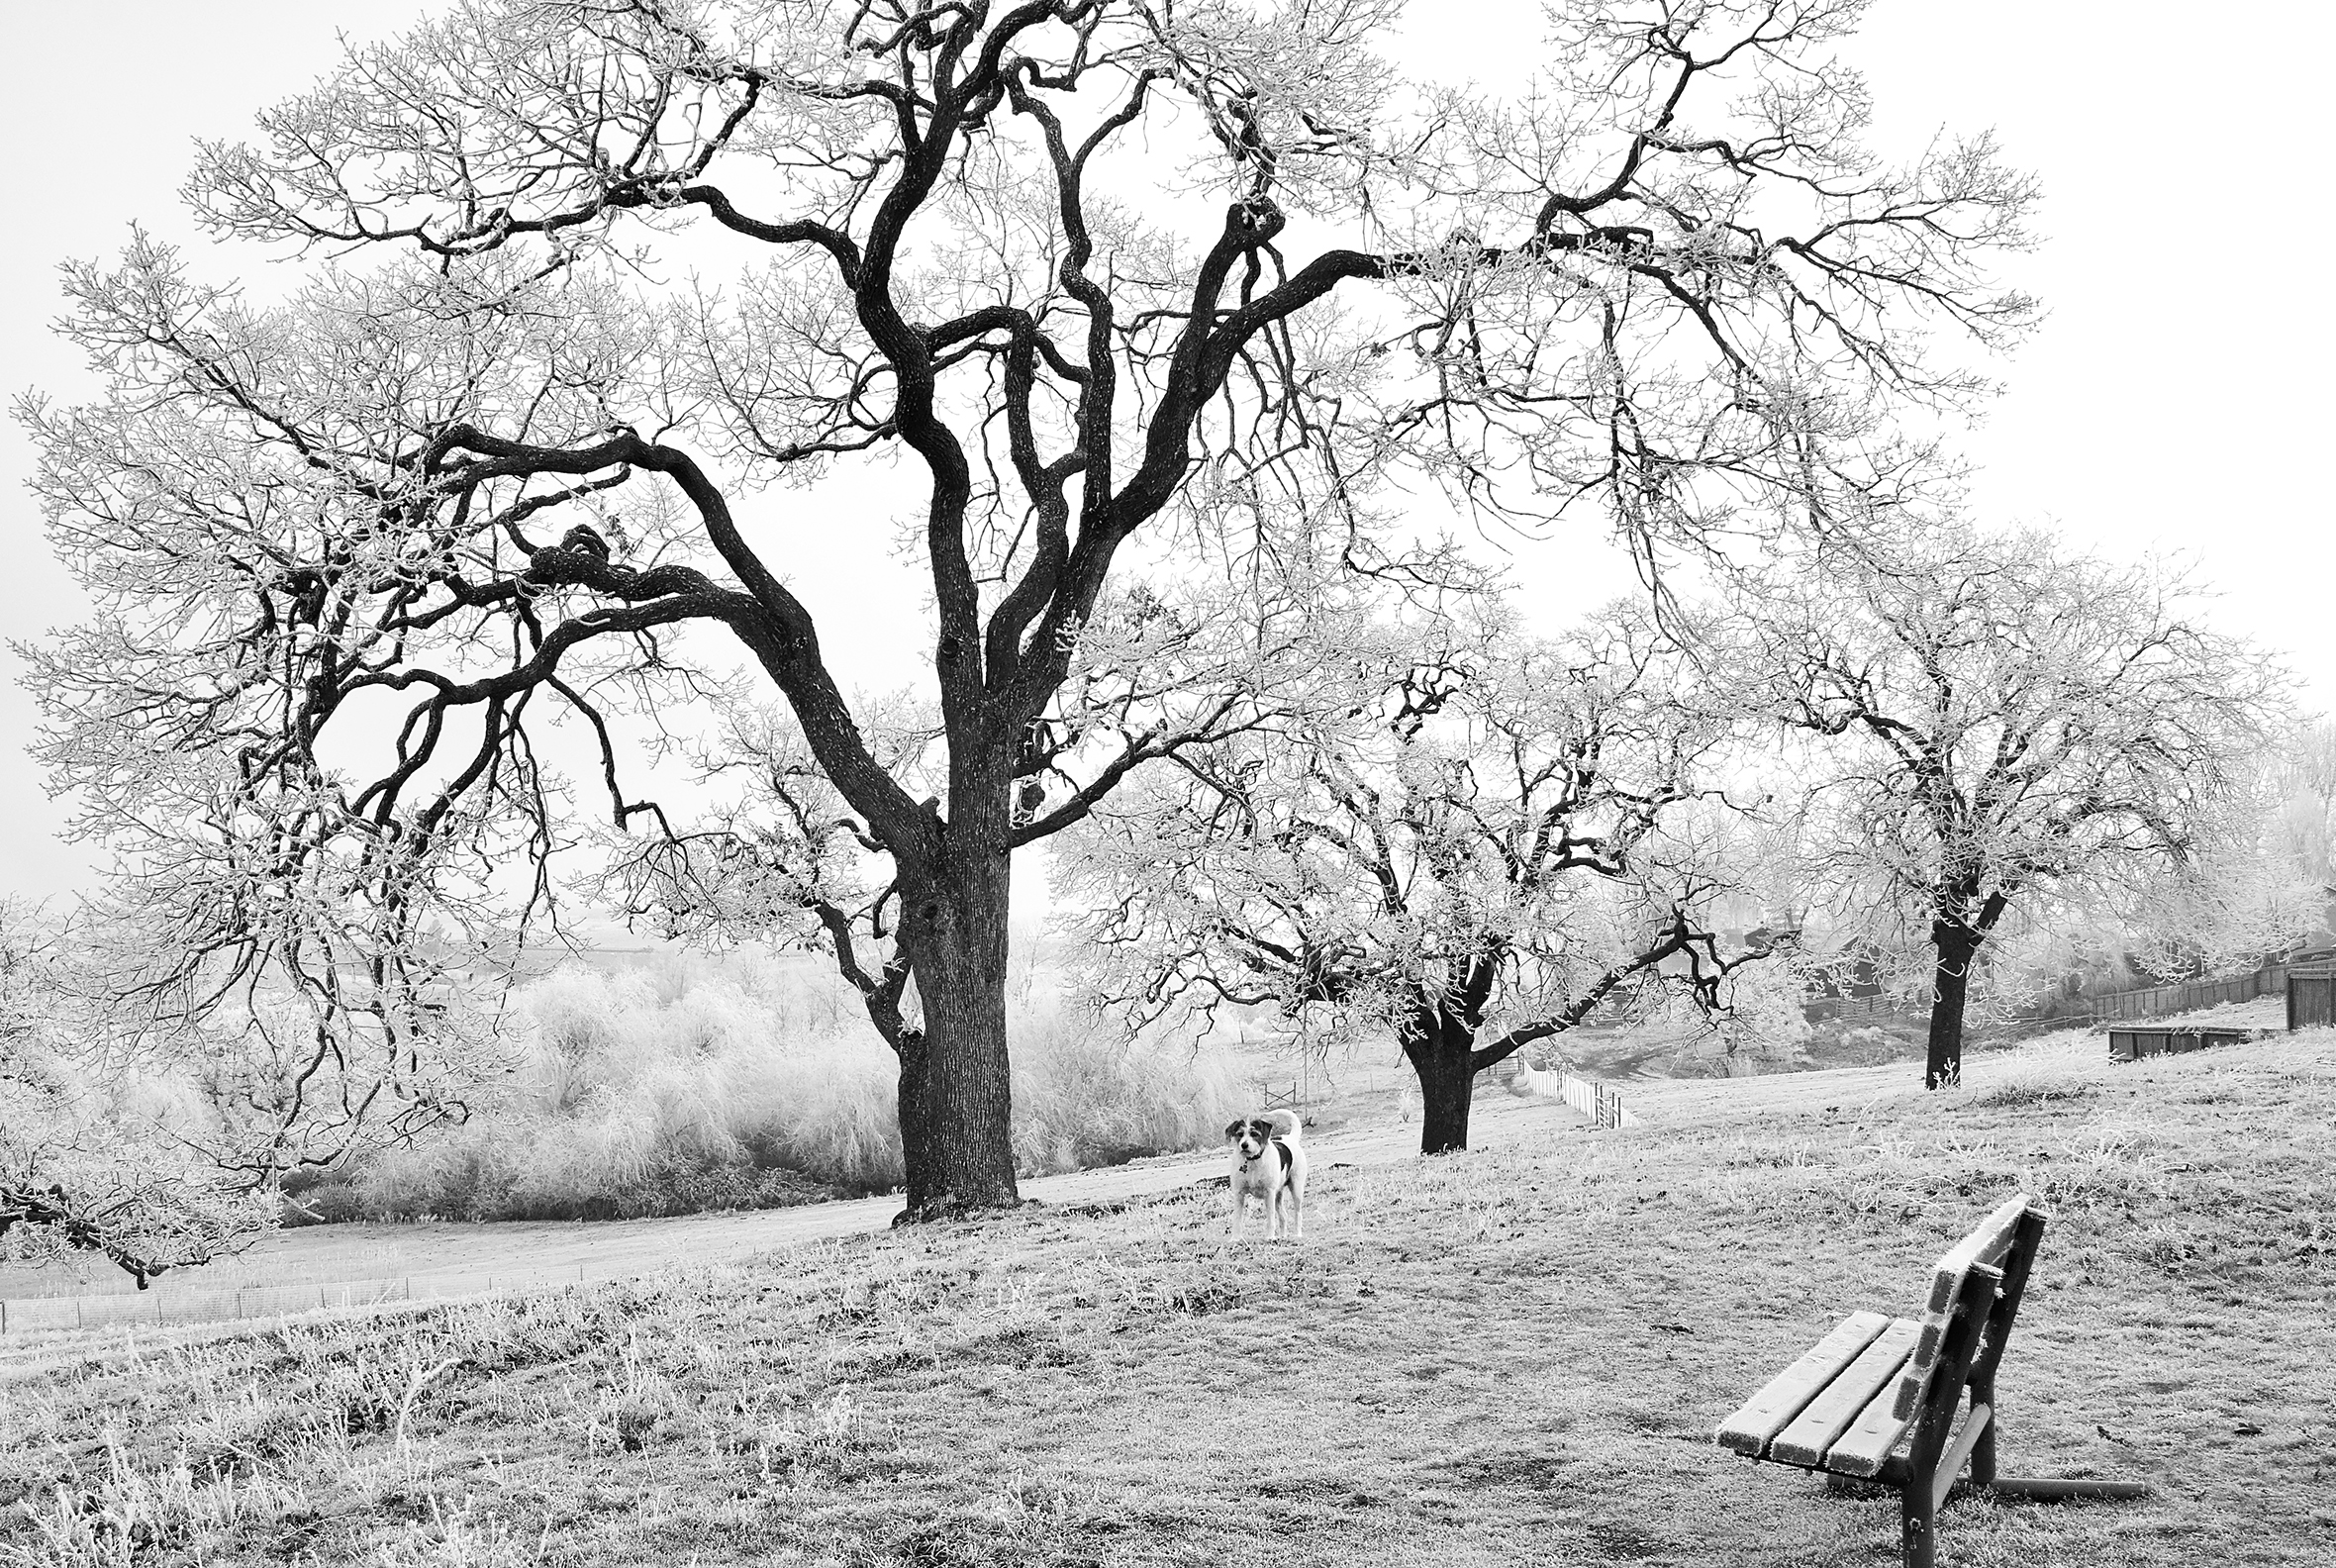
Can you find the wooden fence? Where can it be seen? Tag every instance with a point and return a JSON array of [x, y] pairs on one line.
[[1852, 1007], [2311, 995], [191, 1304], [1594, 1100], [2191, 996]]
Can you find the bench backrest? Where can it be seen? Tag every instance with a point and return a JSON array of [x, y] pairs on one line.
[[2000, 1243], [1872, 1383]]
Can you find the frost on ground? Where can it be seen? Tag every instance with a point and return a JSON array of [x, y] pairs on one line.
[[1515, 1354]]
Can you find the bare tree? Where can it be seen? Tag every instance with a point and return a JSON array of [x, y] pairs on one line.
[[2307, 812], [1477, 839], [2016, 725], [91, 1159], [352, 552]]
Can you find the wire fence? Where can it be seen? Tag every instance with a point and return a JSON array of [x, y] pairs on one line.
[[194, 1304]]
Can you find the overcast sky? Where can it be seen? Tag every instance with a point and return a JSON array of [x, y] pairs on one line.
[[2175, 400]]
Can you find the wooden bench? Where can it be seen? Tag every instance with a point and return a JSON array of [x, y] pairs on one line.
[[1876, 1400]]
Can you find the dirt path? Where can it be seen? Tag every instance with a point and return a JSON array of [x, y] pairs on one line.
[[446, 1260], [609, 1248], [434, 1261]]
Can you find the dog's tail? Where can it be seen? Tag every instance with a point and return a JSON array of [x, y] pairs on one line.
[[1286, 1124]]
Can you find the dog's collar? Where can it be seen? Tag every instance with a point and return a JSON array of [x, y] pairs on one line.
[[1286, 1160]]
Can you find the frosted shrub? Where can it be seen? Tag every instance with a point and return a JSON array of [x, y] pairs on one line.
[[663, 1091], [840, 1120], [1083, 1096]]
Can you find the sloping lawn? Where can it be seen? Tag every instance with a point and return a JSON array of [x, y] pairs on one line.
[[1514, 1358]]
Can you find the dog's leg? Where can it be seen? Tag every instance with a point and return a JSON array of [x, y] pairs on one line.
[[1297, 1196], [1238, 1202]]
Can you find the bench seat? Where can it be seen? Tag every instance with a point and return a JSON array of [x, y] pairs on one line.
[[1834, 1408]]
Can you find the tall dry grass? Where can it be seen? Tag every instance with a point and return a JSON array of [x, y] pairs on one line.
[[1083, 1097], [686, 1087]]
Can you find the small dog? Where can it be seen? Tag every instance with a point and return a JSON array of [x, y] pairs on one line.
[[1269, 1163]]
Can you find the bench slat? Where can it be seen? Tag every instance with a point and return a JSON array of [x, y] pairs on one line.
[[1863, 1450], [1924, 1361], [1815, 1429], [1768, 1412], [1984, 1247], [1926, 1349]]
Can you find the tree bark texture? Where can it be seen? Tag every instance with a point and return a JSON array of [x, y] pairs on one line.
[[1442, 1052], [1951, 984], [956, 1086]]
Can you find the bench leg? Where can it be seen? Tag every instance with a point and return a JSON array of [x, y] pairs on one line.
[[1982, 1452], [2049, 1490], [1918, 1515]]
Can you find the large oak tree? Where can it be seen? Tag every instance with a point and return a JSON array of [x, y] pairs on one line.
[[1113, 283]]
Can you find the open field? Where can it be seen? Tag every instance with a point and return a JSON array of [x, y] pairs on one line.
[[1513, 1355]]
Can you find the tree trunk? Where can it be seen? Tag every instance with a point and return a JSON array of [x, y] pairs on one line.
[[1943, 1066], [1440, 1052], [956, 1090]]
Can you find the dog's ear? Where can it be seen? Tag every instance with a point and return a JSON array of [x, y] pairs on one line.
[[1233, 1130]]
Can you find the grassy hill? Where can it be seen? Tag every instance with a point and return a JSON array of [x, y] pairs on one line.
[[1509, 1356]]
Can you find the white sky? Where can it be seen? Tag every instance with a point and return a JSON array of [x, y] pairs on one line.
[[2171, 403]]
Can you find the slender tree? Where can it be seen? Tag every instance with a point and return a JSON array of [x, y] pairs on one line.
[[2015, 725], [1111, 282], [1476, 840]]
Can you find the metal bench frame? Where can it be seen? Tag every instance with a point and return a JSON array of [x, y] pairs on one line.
[[1876, 1400]]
